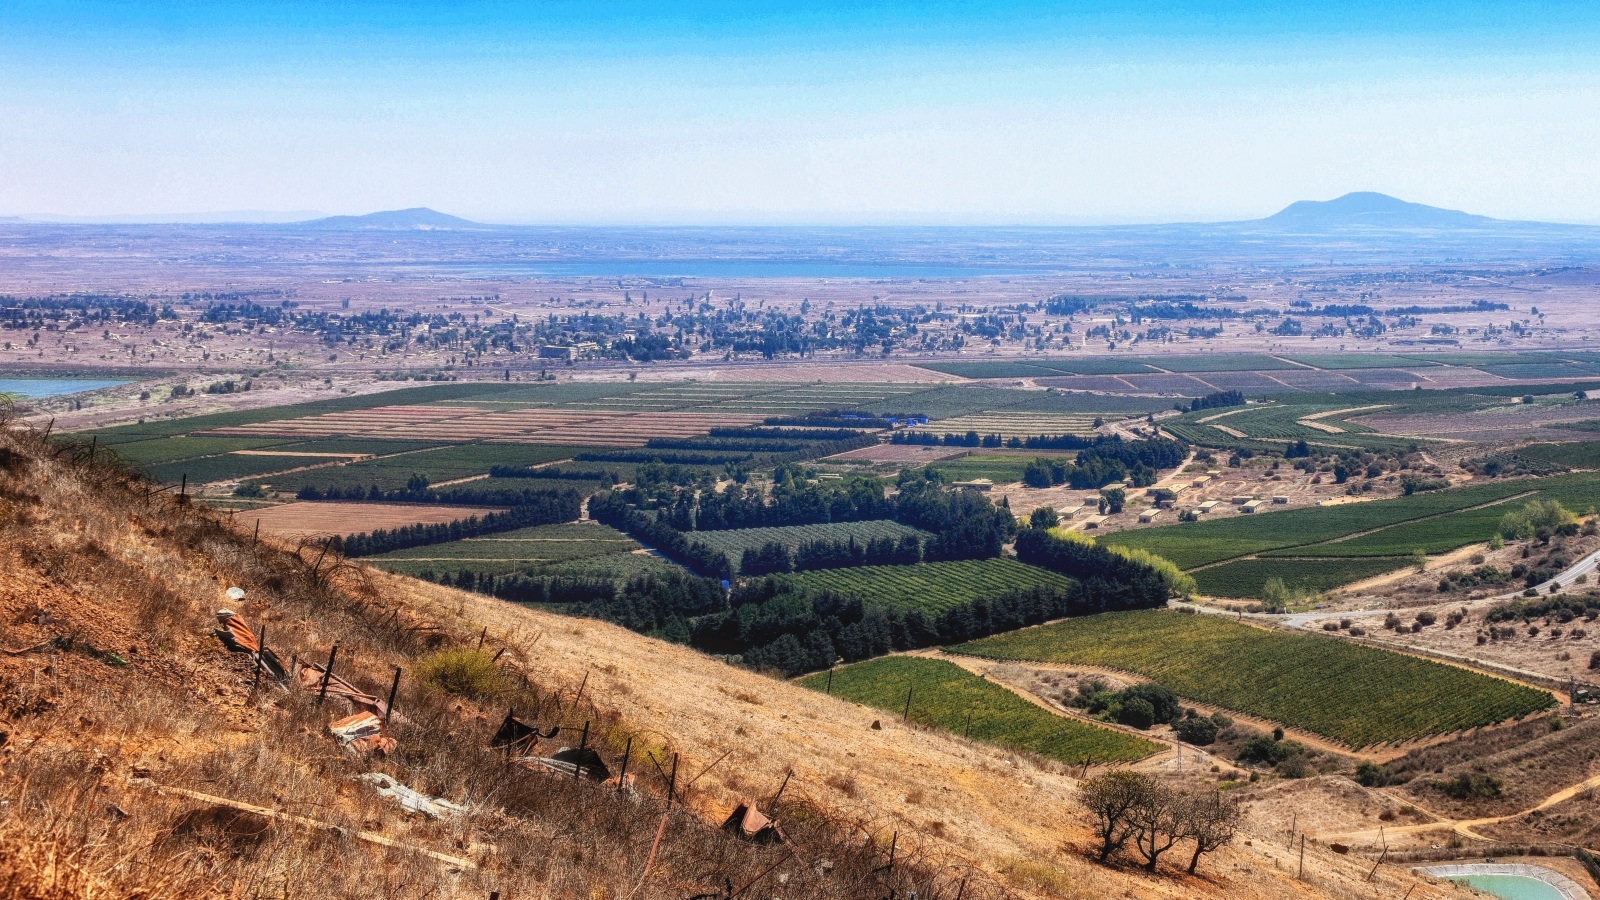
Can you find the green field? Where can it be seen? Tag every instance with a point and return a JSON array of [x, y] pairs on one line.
[[1437, 535], [1039, 368], [1574, 455], [441, 464], [573, 548], [1200, 543], [1230, 362], [944, 695], [1246, 578], [998, 468], [930, 587], [1357, 695], [1337, 361], [734, 542]]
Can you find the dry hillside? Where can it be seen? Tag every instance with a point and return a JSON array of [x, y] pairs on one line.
[[143, 758]]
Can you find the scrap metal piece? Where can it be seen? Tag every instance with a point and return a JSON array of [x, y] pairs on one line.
[[235, 632], [310, 678], [749, 823], [362, 732], [411, 799], [517, 735], [584, 763]]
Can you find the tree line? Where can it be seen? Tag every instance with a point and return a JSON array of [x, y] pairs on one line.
[[1134, 462], [546, 508]]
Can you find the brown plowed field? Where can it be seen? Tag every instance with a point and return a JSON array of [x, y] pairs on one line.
[[607, 428], [307, 518]]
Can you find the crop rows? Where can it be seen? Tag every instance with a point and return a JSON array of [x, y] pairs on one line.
[[442, 464], [931, 587], [1357, 695], [1247, 578], [735, 541], [1197, 544], [1437, 535], [947, 696]]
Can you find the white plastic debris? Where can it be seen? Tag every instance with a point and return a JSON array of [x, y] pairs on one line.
[[415, 801], [235, 593]]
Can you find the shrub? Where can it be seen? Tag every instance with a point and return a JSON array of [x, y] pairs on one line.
[[468, 673], [1200, 731], [1372, 775], [1470, 787]]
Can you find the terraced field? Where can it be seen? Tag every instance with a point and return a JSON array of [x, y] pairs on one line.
[[946, 696], [1357, 695], [930, 587]]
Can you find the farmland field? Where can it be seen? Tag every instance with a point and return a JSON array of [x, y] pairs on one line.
[[998, 468], [1357, 695], [1197, 544], [1231, 362], [441, 464], [1357, 360], [1575, 455], [1436, 535], [734, 542], [943, 695], [296, 520], [1007, 424], [1246, 578], [930, 587], [540, 543]]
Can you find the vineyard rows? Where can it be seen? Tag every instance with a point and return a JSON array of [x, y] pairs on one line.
[[1246, 578], [1357, 695], [931, 587], [947, 696]]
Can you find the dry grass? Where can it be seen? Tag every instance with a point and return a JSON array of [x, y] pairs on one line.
[[127, 690]]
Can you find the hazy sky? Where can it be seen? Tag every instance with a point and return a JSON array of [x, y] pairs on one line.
[[665, 112]]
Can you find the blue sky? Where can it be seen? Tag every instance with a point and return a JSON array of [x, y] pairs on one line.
[[885, 112]]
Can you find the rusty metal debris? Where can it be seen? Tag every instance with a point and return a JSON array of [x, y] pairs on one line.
[[315, 679], [749, 823], [575, 761], [413, 800], [235, 634], [362, 732], [518, 736]]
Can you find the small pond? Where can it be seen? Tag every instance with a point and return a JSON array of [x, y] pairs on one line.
[[1510, 887]]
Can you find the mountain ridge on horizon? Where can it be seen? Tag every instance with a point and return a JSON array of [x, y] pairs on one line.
[[1354, 211]]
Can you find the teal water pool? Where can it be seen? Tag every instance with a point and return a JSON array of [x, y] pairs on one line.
[[1510, 887], [39, 388]]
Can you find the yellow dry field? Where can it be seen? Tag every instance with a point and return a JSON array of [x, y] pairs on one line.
[[310, 518]]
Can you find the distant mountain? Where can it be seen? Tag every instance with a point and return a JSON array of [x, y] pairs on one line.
[[1368, 209], [416, 219]]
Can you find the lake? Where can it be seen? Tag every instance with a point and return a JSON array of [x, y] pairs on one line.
[[39, 388]]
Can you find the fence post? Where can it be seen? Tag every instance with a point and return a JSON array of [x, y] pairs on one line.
[[388, 709], [583, 744], [327, 673], [672, 783], [627, 754], [906, 716]]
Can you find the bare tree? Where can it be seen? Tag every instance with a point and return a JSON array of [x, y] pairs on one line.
[[1212, 821], [1112, 798], [1160, 820]]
